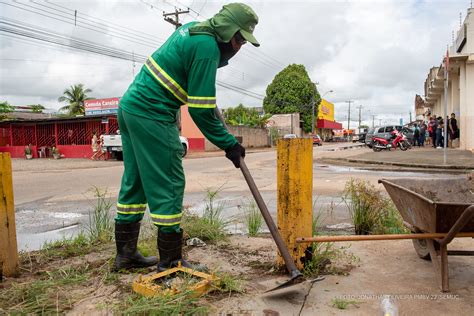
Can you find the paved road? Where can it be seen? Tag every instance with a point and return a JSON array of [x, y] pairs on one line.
[[53, 198]]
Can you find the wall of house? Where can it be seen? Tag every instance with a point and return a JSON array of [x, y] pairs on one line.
[[251, 137]]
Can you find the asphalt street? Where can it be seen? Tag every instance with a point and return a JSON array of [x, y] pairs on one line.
[[53, 198]]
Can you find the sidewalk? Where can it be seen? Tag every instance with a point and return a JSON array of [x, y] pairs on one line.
[[426, 157]]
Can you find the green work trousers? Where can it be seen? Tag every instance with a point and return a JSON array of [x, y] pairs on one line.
[[153, 172]]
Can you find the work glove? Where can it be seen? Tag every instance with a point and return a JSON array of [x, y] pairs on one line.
[[234, 153]]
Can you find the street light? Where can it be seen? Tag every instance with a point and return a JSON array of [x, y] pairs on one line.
[[312, 110]]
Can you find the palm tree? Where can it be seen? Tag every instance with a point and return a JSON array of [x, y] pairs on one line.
[[75, 97]]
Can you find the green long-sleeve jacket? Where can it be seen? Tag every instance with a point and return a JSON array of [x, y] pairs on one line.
[[182, 71]]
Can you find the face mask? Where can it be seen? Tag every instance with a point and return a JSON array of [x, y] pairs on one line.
[[227, 52]]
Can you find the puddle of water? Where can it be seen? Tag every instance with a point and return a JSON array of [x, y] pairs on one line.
[[28, 242], [332, 209], [65, 215]]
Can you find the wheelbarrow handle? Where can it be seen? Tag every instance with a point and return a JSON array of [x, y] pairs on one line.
[[290, 265]]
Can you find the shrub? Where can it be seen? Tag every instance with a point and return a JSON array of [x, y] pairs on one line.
[[371, 212]]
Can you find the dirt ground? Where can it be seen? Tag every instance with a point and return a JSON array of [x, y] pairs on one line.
[[382, 267], [361, 274]]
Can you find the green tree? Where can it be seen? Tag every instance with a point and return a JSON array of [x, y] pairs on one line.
[[74, 97], [37, 108], [292, 91], [5, 108], [242, 115]]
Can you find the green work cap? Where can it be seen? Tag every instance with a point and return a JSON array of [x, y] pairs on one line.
[[235, 17]]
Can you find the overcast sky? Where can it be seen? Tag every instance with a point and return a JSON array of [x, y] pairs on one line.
[[376, 53]]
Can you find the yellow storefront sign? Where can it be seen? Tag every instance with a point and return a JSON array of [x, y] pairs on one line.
[[326, 111]]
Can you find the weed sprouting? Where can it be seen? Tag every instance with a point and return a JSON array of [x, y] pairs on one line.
[[213, 210], [342, 303], [229, 284], [253, 219], [100, 225], [211, 226]]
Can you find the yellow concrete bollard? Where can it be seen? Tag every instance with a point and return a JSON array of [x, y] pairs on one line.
[[295, 194], [8, 245]]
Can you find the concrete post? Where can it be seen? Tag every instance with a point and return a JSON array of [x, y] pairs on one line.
[[8, 246], [295, 193]]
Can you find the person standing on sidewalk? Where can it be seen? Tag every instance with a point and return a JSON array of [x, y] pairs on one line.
[[94, 145], [421, 140], [452, 129], [416, 136], [439, 133], [182, 71], [432, 126]]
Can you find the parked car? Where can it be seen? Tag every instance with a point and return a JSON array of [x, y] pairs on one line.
[[386, 132], [368, 137], [113, 145], [317, 140], [290, 136]]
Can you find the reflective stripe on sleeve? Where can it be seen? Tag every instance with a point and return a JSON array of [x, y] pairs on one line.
[[166, 220], [202, 102], [166, 80], [131, 208]]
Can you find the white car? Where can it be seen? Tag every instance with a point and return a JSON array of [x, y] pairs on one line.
[[113, 144], [185, 143], [290, 136]]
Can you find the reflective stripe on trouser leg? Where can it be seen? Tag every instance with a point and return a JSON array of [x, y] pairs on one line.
[[131, 204], [158, 152]]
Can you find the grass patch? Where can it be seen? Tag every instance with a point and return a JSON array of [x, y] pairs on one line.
[[371, 212], [202, 228], [178, 304], [100, 227], [253, 219], [343, 304], [211, 226], [67, 247], [229, 284], [51, 294]]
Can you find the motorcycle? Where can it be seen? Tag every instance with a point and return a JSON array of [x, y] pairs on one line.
[[397, 140]]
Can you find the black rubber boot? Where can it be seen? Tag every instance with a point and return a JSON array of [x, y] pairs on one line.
[[128, 257], [170, 247]]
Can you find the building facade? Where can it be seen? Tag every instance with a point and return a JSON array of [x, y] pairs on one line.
[[460, 96], [326, 124]]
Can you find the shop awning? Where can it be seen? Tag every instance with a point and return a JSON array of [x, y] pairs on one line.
[[328, 124]]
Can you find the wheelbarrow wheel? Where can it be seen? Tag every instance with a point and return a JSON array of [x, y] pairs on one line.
[[421, 248]]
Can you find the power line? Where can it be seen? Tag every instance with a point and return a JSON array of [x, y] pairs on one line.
[[89, 26], [50, 37], [114, 25]]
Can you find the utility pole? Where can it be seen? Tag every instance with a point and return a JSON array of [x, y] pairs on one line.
[[312, 115], [349, 115], [410, 116], [176, 23], [176, 14], [360, 116], [373, 121]]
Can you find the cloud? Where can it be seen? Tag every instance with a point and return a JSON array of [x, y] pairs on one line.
[[376, 53]]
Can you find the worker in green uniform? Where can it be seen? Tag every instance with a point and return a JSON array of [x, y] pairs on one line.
[[182, 71]]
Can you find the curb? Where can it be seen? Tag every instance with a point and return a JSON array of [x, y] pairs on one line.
[[400, 164], [347, 147]]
